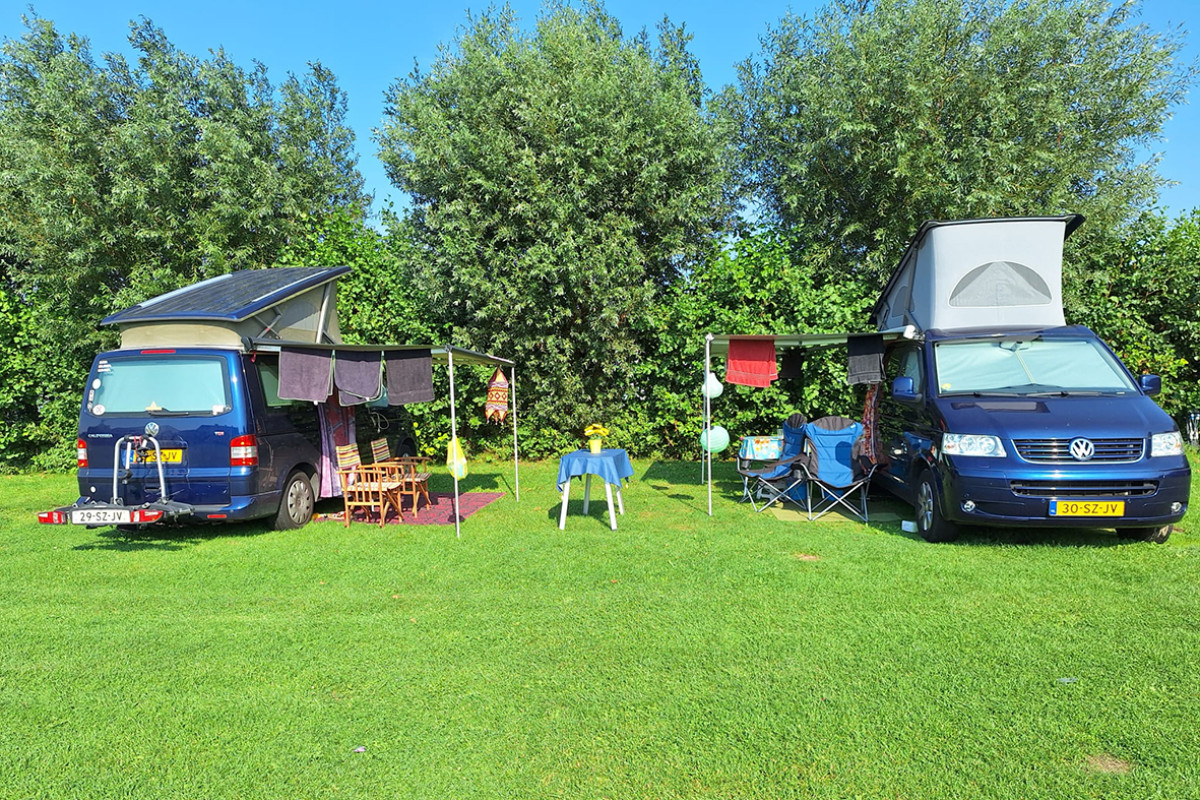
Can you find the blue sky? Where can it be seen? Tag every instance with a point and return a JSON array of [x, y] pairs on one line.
[[368, 45]]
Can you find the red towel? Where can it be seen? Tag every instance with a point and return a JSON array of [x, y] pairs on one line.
[[751, 362]]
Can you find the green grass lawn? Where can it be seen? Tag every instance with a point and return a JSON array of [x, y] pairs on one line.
[[677, 657]]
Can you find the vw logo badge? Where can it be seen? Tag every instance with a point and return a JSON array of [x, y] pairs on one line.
[[152, 430], [1082, 449]]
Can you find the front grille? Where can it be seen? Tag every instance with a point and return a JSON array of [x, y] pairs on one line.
[[1084, 488], [1058, 451]]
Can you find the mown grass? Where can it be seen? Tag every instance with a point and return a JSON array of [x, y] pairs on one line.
[[677, 657]]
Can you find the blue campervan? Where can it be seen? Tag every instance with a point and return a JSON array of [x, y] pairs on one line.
[[995, 412], [184, 423]]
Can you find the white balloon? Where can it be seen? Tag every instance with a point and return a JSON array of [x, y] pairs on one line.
[[712, 386]]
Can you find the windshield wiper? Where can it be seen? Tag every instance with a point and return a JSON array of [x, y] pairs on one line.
[[1069, 393], [982, 394], [166, 412]]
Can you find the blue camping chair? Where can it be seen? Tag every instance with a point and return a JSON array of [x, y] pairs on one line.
[[835, 473], [779, 480]]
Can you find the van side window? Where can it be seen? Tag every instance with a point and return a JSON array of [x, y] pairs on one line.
[[268, 372], [907, 363]]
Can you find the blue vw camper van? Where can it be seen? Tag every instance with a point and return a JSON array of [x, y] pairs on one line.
[[995, 412], [185, 423]]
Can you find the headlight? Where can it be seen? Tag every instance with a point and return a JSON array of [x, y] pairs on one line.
[[1166, 444], [972, 444]]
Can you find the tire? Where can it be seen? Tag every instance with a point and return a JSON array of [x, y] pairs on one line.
[[296, 502], [932, 526], [1158, 534]]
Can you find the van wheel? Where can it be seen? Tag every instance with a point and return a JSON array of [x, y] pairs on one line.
[[932, 526], [1158, 535], [296, 504]]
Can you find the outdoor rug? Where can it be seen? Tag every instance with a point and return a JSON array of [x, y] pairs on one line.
[[882, 511], [439, 512]]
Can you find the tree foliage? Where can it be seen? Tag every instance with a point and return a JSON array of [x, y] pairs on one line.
[[120, 181], [872, 116], [561, 180], [1139, 290]]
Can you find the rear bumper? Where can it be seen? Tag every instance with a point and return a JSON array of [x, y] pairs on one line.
[[168, 512], [1004, 496]]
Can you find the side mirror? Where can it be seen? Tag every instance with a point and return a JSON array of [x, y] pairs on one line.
[[1151, 384], [904, 390]]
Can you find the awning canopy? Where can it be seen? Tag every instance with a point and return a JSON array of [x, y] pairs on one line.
[[719, 344], [440, 353]]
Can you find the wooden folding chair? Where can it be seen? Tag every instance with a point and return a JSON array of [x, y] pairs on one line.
[[366, 486], [414, 477], [380, 451]]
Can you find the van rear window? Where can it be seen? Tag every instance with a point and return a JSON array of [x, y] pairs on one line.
[[160, 386]]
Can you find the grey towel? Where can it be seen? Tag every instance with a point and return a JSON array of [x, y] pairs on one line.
[[357, 376], [305, 374], [865, 358], [409, 377]]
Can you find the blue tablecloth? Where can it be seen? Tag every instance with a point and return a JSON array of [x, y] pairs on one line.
[[611, 464]]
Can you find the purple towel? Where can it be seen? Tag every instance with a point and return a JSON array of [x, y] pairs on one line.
[[305, 374], [357, 376], [409, 377]]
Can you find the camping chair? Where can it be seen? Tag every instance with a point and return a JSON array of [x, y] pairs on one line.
[[412, 475], [835, 473], [363, 485], [779, 480], [380, 451]]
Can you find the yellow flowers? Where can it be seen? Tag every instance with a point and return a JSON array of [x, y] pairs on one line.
[[595, 430]]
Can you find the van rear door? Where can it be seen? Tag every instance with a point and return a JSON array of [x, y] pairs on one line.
[[192, 404]]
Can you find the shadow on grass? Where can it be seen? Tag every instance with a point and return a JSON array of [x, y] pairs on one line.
[[174, 537], [670, 478]]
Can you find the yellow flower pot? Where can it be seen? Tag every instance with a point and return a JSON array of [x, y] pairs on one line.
[[595, 445]]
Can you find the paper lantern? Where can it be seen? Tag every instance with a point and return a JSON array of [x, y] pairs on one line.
[[715, 439], [712, 386]]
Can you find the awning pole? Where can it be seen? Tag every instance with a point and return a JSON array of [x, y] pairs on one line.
[[453, 437], [516, 468], [707, 456]]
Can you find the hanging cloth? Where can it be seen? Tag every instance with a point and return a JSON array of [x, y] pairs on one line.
[[496, 408], [305, 374], [337, 429], [865, 358], [409, 377], [751, 362], [358, 376]]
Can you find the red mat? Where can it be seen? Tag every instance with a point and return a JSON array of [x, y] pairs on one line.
[[439, 512]]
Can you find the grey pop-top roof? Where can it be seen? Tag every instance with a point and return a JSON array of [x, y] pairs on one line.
[[233, 297]]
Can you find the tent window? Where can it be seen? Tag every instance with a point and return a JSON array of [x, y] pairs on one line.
[[999, 284]]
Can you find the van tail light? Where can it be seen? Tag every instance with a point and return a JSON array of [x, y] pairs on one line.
[[141, 515], [243, 451], [80, 453], [52, 518]]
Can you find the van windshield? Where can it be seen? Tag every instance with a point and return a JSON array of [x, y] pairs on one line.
[[160, 386], [1029, 366]]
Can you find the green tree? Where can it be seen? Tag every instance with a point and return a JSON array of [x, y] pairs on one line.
[[1139, 291], [120, 180], [859, 123], [561, 180]]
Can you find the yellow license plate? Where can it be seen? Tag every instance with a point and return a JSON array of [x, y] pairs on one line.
[[1087, 508], [173, 456]]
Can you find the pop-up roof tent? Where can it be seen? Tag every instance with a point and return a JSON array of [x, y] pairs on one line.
[[270, 310], [979, 273]]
